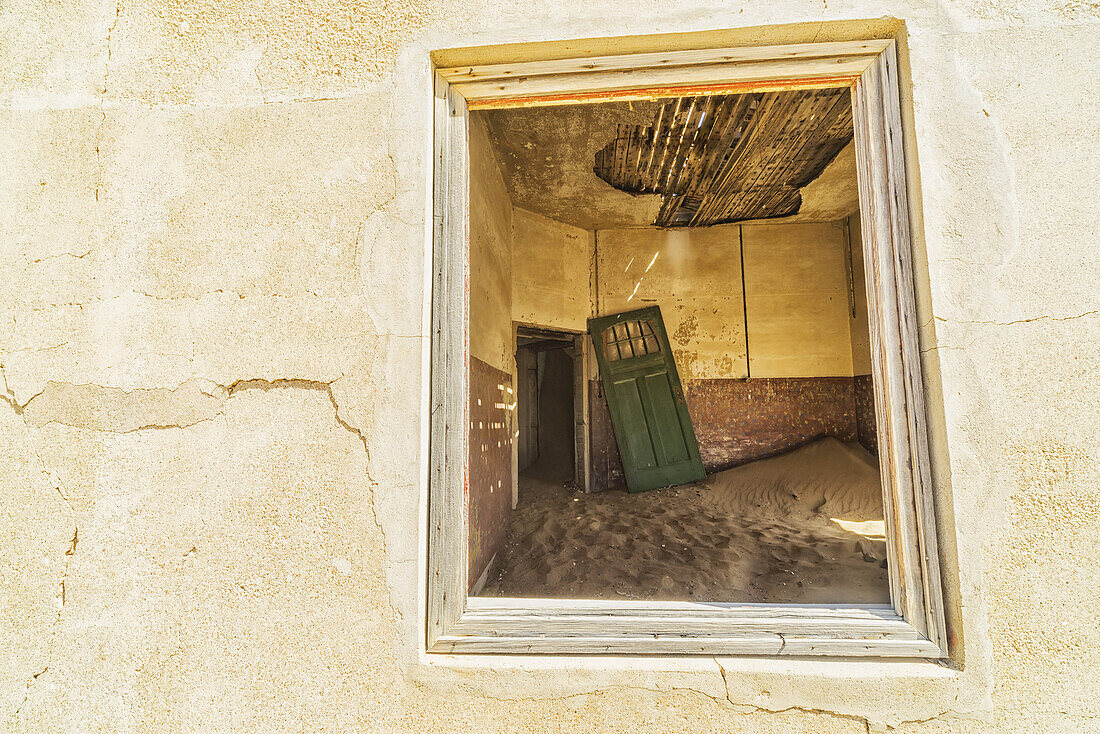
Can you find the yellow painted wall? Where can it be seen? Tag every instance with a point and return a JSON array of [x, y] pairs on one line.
[[694, 276], [859, 325], [795, 283], [551, 269], [796, 286], [490, 254]]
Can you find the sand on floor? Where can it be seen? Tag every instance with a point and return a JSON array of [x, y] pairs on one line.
[[802, 527]]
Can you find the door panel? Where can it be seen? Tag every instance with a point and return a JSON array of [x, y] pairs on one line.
[[634, 414], [646, 400]]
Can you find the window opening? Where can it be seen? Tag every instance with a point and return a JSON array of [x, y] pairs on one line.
[[722, 326]]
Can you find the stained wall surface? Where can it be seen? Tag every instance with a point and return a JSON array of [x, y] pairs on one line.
[[489, 482], [794, 385], [794, 283], [214, 222], [694, 275]]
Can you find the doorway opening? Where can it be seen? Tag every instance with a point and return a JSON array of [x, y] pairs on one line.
[[546, 445]]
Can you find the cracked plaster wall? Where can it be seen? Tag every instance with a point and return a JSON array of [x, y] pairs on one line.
[[213, 220]]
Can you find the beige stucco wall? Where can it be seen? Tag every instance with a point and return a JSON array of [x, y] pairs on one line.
[[794, 281], [214, 224], [551, 272]]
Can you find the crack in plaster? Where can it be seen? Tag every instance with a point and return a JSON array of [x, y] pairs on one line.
[[1044, 317], [284, 99], [939, 347], [221, 291], [259, 85], [748, 708], [99, 157], [102, 101], [110, 34], [304, 384], [727, 703], [146, 427], [871, 725], [960, 322], [616, 687], [69, 254], [229, 391], [70, 551], [38, 349], [202, 295]]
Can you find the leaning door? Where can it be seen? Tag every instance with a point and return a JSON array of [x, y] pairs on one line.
[[648, 412]]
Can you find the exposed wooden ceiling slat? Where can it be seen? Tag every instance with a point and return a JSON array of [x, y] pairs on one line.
[[729, 158], [815, 152]]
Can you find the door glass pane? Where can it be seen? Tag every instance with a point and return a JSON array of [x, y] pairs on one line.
[[630, 339]]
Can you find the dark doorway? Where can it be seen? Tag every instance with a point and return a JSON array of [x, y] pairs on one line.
[[545, 367]]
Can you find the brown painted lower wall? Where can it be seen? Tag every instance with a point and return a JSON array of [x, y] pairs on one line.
[[740, 420], [865, 413], [490, 479]]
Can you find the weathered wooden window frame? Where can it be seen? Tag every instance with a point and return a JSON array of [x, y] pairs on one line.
[[913, 624]]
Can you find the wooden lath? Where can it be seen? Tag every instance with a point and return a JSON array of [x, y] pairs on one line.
[[729, 158]]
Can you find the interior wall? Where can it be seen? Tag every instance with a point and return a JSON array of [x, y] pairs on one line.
[[552, 267], [552, 287], [753, 392], [866, 428], [490, 253], [694, 275], [796, 285], [491, 360]]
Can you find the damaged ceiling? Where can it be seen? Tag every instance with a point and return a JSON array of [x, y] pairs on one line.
[[546, 156], [691, 161], [730, 158]]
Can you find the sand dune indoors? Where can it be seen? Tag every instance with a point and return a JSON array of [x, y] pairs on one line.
[[801, 527]]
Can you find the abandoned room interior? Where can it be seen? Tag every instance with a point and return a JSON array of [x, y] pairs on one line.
[[670, 370]]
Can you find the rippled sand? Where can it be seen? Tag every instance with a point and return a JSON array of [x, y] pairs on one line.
[[804, 527]]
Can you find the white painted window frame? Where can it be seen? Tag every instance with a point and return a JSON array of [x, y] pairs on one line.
[[912, 626]]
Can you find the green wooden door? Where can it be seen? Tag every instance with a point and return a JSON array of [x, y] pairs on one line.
[[648, 412]]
